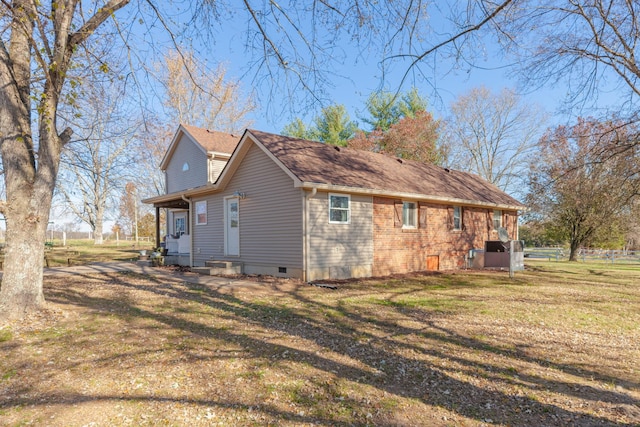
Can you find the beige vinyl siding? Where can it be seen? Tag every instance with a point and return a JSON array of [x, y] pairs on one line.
[[340, 250], [270, 217], [186, 151]]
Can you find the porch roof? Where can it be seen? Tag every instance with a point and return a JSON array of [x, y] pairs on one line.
[[173, 200]]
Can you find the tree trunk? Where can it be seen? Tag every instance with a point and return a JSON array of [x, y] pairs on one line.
[[21, 289], [30, 170], [25, 214], [574, 247], [98, 228]]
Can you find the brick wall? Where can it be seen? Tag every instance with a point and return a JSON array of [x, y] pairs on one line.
[[398, 250]]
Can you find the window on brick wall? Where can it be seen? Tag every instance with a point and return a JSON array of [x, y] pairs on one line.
[[497, 219], [409, 215], [457, 217]]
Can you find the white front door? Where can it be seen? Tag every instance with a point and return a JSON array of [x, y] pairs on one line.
[[232, 226]]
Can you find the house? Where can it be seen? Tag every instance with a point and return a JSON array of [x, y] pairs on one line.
[[288, 207], [195, 157]]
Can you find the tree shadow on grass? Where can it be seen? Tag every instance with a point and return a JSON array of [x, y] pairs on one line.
[[380, 364]]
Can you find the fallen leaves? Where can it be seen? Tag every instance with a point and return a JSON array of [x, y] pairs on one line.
[[131, 350]]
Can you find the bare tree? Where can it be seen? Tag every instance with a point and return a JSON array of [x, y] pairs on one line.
[[94, 166], [130, 209], [150, 148], [202, 97], [588, 46], [491, 135]]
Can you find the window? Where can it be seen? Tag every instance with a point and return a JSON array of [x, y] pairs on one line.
[[409, 215], [497, 219], [339, 209], [201, 212], [185, 167], [180, 228], [457, 218]]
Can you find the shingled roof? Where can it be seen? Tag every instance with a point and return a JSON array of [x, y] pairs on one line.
[[314, 162], [210, 140]]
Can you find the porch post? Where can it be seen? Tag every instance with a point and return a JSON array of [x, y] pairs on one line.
[[157, 226]]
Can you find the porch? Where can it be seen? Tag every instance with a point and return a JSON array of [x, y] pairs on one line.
[[178, 249], [177, 241]]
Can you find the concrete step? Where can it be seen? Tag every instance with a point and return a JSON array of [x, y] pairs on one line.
[[215, 268], [206, 271], [219, 264]]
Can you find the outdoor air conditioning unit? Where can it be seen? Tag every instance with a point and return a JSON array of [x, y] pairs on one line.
[[504, 253]]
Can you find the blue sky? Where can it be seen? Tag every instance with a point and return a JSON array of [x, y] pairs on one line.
[[353, 78], [357, 76], [354, 82]]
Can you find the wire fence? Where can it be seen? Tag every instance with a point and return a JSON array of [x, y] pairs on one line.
[[610, 256]]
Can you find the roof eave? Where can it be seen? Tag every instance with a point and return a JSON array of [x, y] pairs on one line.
[[406, 195], [218, 155], [189, 192]]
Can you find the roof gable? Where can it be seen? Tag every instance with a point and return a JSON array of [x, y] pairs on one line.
[[213, 141], [206, 140], [246, 141], [314, 162]]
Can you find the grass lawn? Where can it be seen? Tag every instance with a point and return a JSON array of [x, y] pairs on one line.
[[558, 345], [79, 252]]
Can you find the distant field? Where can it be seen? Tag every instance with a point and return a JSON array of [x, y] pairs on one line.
[[85, 252], [78, 252], [557, 345]]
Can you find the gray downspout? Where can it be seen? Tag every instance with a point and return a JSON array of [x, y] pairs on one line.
[[307, 243]]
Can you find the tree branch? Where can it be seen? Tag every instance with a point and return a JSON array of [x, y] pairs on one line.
[[450, 40], [94, 22]]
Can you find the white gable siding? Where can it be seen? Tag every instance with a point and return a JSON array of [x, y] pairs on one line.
[[186, 152], [215, 168], [340, 250], [270, 219]]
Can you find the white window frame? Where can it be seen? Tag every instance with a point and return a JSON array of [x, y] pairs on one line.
[[201, 209], [347, 209], [497, 219], [413, 213], [457, 213]]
